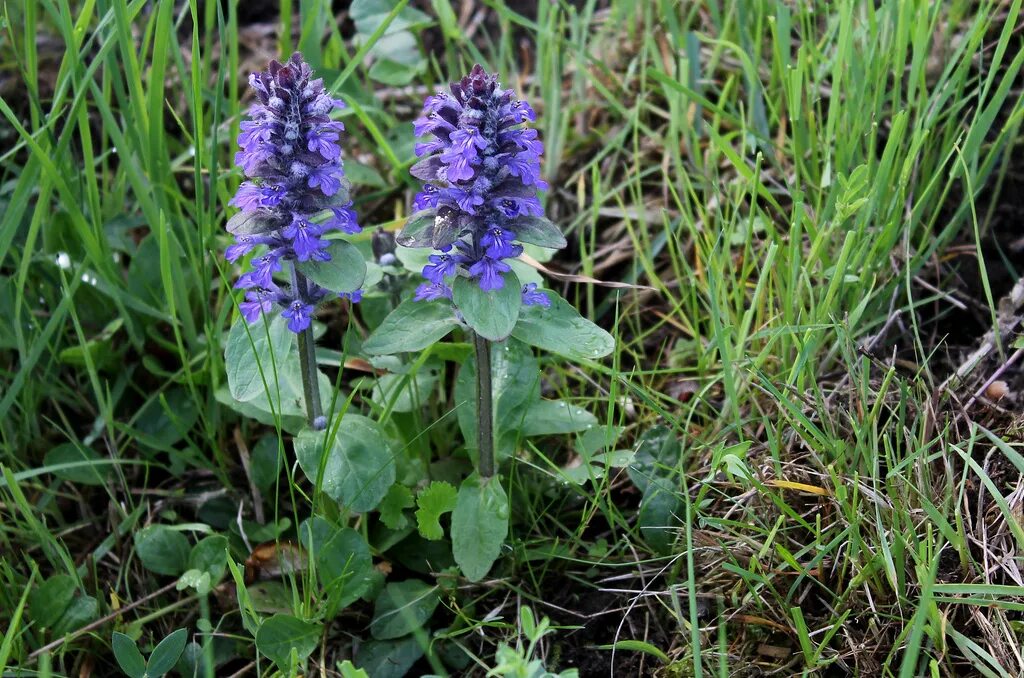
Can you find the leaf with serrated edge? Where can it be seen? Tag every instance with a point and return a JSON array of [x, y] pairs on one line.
[[434, 500], [398, 498]]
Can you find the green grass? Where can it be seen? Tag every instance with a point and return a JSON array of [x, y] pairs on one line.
[[788, 186]]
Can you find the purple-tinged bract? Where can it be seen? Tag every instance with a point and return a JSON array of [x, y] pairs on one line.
[[481, 172], [290, 154]]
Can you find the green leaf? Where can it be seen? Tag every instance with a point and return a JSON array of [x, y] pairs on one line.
[[491, 314], [407, 392], [430, 228], [127, 654], [402, 608], [348, 670], [515, 385], [367, 15], [637, 646], [162, 550], [538, 231], [550, 417], [359, 466], [342, 559], [434, 500], [275, 349], [71, 453], [282, 633], [165, 655], [389, 658], [267, 458], [196, 579], [562, 330], [413, 326], [292, 415], [47, 604], [418, 229], [657, 455], [167, 418], [394, 73], [398, 498], [210, 555], [479, 525], [250, 223], [658, 516], [343, 273]]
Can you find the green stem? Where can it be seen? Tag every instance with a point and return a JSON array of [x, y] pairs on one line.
[[307, 362], [484, 407]]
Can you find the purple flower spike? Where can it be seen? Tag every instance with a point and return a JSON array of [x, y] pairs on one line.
[[290, 152], [479, 162]]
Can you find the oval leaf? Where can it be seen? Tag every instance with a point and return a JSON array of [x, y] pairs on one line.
[[418, 229], [250, 223], [162, 550], [479, 525], [281, 633], [165, 655], [128, 657], [491, 314], [402, 608], [270, 346], [343, 273], [359, 466], [538, 231], [342, 558], [413, 326], [84, 471], [551, 417], [562, 330]]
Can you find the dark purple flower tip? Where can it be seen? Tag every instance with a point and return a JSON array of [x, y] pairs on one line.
[[489, 273], [432, 291], [534, 297], [299, 315]]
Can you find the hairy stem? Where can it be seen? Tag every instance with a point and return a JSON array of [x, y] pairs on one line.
[[307, 362], [484, 406]]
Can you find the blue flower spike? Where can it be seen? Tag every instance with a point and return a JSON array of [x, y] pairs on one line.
[[481, 171], [291, 157], [294, 195]]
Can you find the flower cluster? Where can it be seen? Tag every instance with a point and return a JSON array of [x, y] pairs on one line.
[[482, 172], [291, 154]]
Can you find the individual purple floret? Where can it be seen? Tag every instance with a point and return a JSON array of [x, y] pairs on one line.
[[481, 171], [290, 152]]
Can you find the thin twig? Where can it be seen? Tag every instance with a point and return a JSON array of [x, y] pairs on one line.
[[102, 620]]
